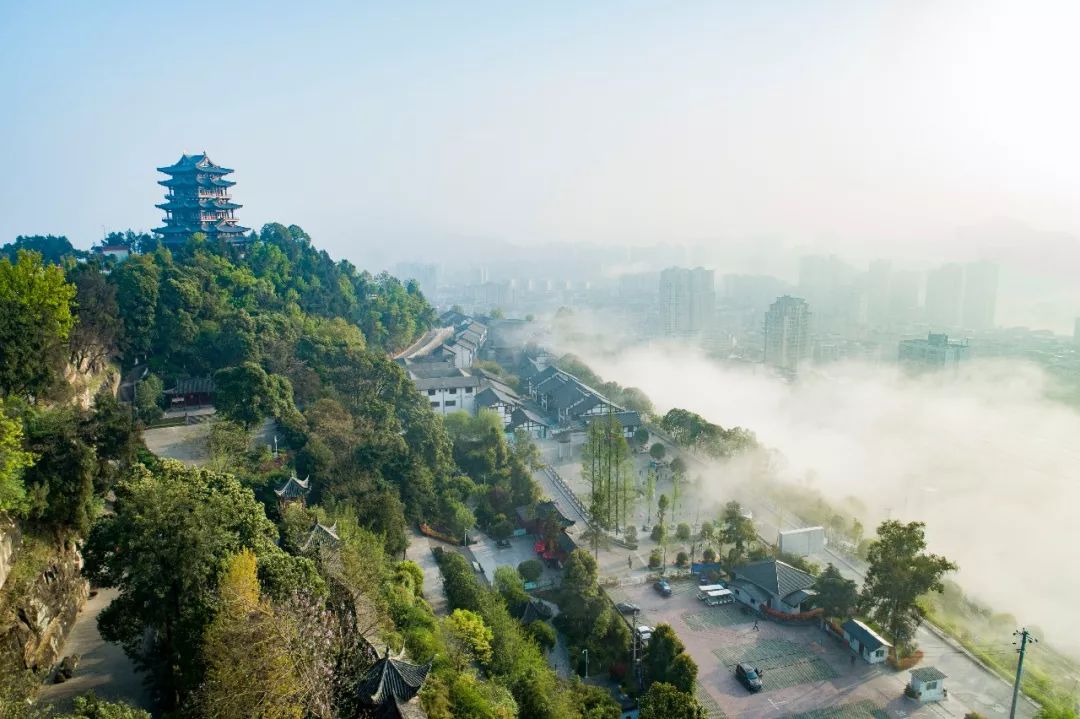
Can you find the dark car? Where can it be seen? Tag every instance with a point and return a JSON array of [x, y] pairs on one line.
[[748, 676], [502, 543], [662, 588], [628, 607]]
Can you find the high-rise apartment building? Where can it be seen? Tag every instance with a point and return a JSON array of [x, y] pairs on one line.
[[787, 333], [687, 301], [980, 295], [944, 293], [937, 351]]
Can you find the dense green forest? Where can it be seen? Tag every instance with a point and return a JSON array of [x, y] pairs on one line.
[[225, 601]]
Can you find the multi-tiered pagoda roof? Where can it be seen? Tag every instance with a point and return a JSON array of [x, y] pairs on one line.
[[198, 200]]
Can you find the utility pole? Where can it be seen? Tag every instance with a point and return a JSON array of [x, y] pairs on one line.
[[1025, 639]]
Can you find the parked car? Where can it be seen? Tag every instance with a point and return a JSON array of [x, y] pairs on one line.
[[748, 676], [628, 607], [644, 633], [662, 588], [502, 543]]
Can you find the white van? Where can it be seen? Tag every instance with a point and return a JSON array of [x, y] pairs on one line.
[[718, 597], [703, 591]]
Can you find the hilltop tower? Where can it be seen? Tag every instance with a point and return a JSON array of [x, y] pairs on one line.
[[198, 200]]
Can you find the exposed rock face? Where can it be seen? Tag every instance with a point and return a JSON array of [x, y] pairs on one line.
[[10, 539], [32, 632]]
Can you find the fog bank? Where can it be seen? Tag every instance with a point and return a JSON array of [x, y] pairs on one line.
[[981, 456]]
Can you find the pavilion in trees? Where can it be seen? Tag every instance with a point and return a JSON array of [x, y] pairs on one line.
[[198, 200], [388, 690], [294, 491]]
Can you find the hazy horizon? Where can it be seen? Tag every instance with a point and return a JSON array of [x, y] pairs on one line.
[[864, 129]]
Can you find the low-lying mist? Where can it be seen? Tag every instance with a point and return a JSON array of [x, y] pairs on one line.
[[990, 464]]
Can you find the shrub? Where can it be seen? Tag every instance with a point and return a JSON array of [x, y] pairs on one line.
[[658, 532], [682, 559], [654, 559], [631, 535], [682, 532], [530, 570], [709, 555]]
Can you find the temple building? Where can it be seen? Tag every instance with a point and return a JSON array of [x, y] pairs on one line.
[[198, 200], [294, 491], [389, 689]]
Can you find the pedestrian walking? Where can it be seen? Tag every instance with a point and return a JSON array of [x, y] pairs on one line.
[[630, 561], [852, 661], [756, 626]]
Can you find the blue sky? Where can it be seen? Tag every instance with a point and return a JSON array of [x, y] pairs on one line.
[[863, 126]]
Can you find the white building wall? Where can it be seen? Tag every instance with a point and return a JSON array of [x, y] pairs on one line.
[[446, 401]]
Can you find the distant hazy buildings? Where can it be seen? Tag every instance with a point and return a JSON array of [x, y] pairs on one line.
[[980, 295], [959, 296], [787, 333], [198, 200], [944, 294], [425, 274], [687, 301], [934, 352]]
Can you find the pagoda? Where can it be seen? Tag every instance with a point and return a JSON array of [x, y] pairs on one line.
[[198, 200], [388, 690]]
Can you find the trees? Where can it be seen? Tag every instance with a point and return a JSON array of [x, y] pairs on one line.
[[35, 320], [164, 548], [470, 638], [96, 334], [682, 532], [657, 451], [900, 572], [530, 570], [737, 531], [666, 661], [664, 701], [90, 707], [60, 484], [136, 280], [693, 431], [836, 596], [249, 673], [247, 393], [148, 393], [641, 436], [13, 462], [605, 464]]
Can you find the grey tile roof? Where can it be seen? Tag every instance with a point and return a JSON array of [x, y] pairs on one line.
[[426, 383], [626, 419], [294, 487], [778, 578], [928, 674], [391, 681], [193, 385]]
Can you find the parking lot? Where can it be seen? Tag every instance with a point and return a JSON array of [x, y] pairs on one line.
[[806, 674]]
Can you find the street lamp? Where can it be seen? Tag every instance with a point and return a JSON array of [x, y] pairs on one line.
[[586, 653]]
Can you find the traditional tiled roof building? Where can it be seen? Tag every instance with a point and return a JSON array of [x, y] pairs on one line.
[[198, 200], [295, 490], [321, 536], [389, 688]]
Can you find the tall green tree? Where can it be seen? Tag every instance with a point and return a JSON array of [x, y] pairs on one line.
[[95, 337], [248, 393], [900, 572], [35, 321], [60, 484], [737, 531], [836, 595], [13, 462], [666, 660], [164, 549], [137, 288]]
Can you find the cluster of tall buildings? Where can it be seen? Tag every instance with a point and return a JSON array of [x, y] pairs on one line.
[[962, 296], [787, 334], [687, 302]]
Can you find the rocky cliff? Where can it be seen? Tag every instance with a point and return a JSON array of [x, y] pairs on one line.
[[38, 604]]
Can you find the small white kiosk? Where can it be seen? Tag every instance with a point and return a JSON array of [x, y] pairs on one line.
[[927, 684]]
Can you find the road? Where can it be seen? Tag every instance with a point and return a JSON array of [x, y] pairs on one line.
[[419, 551], [103, 667], [969, 681]]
